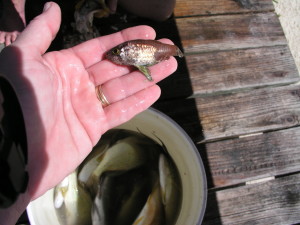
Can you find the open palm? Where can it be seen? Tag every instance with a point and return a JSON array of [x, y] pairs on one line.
[[63, 117]]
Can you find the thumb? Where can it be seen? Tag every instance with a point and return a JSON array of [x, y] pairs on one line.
[[41, 31]]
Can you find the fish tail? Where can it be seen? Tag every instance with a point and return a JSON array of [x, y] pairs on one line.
[[179, 53]]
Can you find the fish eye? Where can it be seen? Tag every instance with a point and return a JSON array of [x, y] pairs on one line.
[[116, 51]]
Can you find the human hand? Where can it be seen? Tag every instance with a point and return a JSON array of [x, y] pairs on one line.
[[63, 117]]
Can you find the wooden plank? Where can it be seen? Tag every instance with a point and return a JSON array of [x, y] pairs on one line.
[[249, 112], [208, 118], [239, 160], [211, 7], [272, 202], [225, 32], [251, 68]]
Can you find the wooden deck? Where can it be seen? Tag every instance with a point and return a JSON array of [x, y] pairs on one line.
[[236, 93]]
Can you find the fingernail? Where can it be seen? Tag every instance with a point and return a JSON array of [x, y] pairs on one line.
[[47, 6]]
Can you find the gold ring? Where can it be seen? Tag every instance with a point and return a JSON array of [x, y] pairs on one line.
[[101, 96]]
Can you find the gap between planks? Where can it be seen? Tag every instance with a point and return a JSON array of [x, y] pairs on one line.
[[275, 201], [224, 14]]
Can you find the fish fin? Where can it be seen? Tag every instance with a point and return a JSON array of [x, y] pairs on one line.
[[145, 70], [179, 53]]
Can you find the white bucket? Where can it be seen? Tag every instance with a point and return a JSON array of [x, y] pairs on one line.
[[184, 154]]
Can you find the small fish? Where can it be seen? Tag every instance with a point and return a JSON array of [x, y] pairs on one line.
[[120, 198], [152, 212], [170, 188], [72, 203], [122, 156], [142, 54]]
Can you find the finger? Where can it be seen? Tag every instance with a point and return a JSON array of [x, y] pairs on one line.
[[124, 110], [41, 30], [106, 70], [120, 88], [110, 70], [92, 51]]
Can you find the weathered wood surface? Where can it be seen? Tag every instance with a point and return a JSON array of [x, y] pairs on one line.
[[239, 160], [249, 112], [228, 71], [211, 7], [225, 32], [273, 202], [229, 115], [239, 69]]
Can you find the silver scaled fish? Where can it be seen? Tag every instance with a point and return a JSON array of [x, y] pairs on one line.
[[142, 54]]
